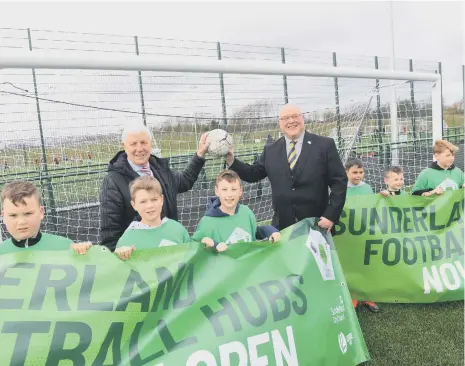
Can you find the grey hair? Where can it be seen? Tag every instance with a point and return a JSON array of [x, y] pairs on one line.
[[135, 128]]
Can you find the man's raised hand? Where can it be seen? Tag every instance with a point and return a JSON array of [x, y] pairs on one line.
[[229, 157], [203, 145]]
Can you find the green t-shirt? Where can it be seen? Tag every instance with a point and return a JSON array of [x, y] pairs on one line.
[[359, 190], [46, 242], [240, 227], [434, 177], [169, 233]]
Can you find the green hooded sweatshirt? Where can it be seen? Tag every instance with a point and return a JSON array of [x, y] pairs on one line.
[[435, 176]]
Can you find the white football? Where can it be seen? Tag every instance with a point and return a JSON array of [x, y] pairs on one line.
[[220, 142]]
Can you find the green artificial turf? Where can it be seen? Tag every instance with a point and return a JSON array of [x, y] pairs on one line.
[[415, 334]]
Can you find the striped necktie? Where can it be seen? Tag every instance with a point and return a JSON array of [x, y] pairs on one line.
[[292, 157], [146, 170]]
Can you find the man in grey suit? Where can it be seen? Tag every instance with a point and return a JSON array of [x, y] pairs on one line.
[[301, 166]]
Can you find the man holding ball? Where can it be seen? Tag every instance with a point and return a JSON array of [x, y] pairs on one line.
[[301, 166]]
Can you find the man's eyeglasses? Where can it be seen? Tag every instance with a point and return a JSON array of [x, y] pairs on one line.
[[293, 116]]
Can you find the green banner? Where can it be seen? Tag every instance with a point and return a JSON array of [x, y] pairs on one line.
[[406, 249], [255, 304]]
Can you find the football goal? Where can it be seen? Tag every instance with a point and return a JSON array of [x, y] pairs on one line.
[[62, 117]]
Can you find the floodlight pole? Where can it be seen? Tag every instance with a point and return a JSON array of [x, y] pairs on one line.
[[436, 101], [51, 204]]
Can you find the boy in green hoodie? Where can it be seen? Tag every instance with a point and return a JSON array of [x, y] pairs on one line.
[[153, 230], [228, 222], [442, 175], [22, 214], [355, 174], [357, 187]]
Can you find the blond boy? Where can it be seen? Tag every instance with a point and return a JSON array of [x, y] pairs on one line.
[[442, 175], [153, 230]]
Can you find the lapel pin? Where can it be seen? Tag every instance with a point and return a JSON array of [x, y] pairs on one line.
[[309, 142]]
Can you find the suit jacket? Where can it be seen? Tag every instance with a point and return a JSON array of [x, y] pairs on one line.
[[303, 191]]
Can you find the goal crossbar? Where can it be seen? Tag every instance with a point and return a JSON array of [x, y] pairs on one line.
[[28, 60]]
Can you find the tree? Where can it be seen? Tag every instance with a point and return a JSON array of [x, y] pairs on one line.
[[329, 115], [257, 116], [456, 108], [214, 124]]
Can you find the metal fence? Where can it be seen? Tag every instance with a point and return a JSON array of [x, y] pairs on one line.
[[332, 91]]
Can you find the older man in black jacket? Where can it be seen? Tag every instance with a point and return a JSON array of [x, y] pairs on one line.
[[136, 160], [301, 167]]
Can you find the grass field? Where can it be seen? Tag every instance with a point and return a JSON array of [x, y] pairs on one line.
[[72, 183], [27, 158], [75, 181], [415, 334], [454, 120]]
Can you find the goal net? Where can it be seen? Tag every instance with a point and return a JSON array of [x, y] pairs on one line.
[[59, 128]]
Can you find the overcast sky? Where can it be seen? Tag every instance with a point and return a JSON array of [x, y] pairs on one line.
[[424, 31], [429, 31]]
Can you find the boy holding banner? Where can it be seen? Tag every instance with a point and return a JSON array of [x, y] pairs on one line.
[[394, 179], [228, 222], [22, 214], [356, 187], [355, 174], [153, 230], [442, 175]]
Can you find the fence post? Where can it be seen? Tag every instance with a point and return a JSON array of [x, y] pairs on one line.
[[141, 89], [463, 85], [338, 114], [283, 60], [412, 99], [51, 197], [378, 115], [223, 98]]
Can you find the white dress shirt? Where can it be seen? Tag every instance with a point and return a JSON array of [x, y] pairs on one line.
[[298, 145], [137, 168]]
